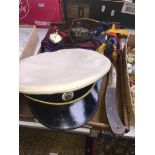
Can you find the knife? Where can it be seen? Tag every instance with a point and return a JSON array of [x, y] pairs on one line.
[[114, 120]]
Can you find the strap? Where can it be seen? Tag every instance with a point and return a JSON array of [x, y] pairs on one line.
[[63, 103]]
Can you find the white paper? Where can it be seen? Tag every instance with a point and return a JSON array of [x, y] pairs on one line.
[[128, 8]]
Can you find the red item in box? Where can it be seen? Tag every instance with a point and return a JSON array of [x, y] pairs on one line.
[[40, 12]]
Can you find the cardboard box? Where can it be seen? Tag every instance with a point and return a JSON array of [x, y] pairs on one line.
[[130, 104], [40, 12], [28, 41], [99, 121]]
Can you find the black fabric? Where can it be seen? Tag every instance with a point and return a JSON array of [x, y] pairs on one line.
[[57, 98]]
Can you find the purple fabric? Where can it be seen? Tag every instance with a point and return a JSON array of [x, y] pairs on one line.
[[67, 42]]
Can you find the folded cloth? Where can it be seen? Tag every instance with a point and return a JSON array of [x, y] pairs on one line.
[[47, 45], [104, 27], [89, 44]]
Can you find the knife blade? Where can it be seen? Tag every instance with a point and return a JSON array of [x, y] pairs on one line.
[[114, 120]]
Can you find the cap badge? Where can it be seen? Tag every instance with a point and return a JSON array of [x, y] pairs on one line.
[[67, 96]]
